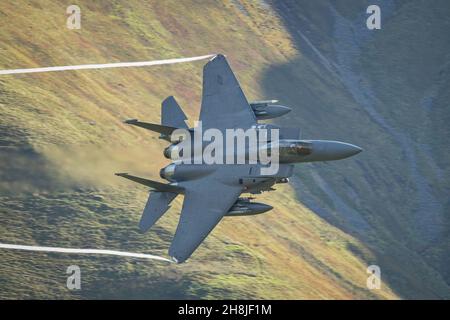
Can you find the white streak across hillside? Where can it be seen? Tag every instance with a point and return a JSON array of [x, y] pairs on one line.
[[105, 65], [83, 251]]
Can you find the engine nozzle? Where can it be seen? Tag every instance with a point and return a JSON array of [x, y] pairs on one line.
[[167, 172]]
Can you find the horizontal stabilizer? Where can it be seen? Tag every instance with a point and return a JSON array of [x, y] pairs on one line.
[[155, 185], [163, 130], [158, 203]]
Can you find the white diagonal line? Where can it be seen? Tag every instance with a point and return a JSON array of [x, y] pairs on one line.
[[83, 251], [105, 65]]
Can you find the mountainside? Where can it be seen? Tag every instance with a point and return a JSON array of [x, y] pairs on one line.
[[387, 90], [62, 139]]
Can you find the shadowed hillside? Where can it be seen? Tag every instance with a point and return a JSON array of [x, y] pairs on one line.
[[384, 90], [62, 138]]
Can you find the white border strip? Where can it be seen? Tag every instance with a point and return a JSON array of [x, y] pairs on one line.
[[105, 65], [82, 251]]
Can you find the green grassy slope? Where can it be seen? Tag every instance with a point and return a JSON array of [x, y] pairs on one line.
[[61, 140]]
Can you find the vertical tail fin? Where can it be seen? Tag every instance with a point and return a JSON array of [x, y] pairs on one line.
[[172, 115]]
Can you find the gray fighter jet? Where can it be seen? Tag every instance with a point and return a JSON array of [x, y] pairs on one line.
[[212, 191]]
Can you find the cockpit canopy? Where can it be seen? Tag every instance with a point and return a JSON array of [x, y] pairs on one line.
[[297, 148]]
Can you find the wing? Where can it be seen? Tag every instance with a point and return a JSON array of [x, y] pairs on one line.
[[206, 201], [224, 105]]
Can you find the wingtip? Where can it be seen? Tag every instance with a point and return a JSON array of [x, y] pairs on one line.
[[218, 56], [121, 174], [130, 121], [173, 259], [167, 100], [176, 257]]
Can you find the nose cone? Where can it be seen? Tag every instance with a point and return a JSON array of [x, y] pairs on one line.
[[345, 150], [356, 149], [323, 150], [335, 150]]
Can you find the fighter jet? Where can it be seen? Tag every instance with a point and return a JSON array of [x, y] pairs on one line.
[[213, 191]]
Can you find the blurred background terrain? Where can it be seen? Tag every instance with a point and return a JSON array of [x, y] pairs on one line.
[[62, 138]]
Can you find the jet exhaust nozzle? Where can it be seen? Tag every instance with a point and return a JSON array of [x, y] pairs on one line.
[[171, 150], [167, 172]]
